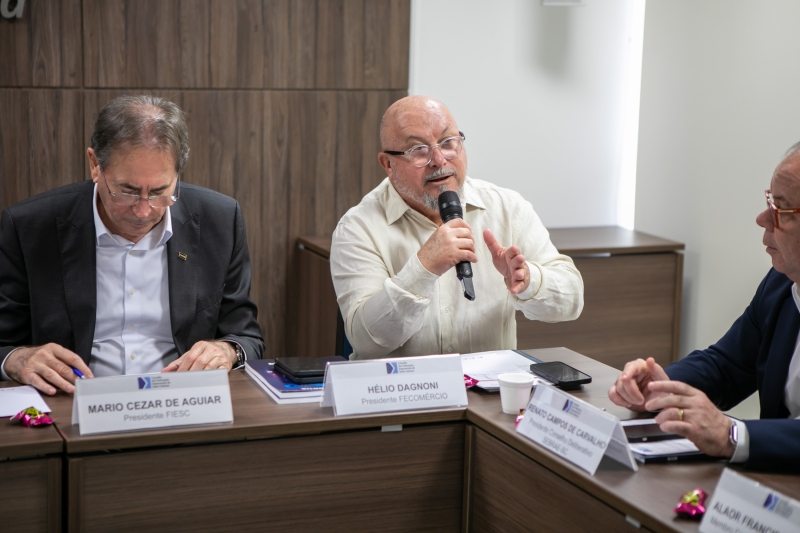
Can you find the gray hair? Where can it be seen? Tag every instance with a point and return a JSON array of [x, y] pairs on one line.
[[141, 121]]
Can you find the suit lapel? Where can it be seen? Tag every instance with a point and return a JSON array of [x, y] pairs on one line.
[[182, 262], [76, 240], [777, 364]]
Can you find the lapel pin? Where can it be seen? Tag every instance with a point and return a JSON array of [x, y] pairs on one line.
[[182, 256]]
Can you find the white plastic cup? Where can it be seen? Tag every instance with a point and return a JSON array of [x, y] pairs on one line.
[[515, 391]]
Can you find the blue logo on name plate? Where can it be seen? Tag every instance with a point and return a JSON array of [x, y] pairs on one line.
[[568, 406], [771, 502], [145, 383], [391, 368]]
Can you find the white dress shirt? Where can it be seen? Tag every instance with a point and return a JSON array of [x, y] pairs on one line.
[[791, 395], [393, 306], [133, 333]]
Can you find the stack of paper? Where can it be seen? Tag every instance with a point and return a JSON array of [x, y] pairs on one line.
[[15, 399], [486, 366], [280, 388]]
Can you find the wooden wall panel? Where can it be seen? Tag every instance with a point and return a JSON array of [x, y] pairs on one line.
[[40, 141], [43, 48], [238, 44], [283, 99]]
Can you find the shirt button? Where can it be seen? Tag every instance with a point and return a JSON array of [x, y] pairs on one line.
[[133, 356], [132, 291], [446, 309], [130, 327]]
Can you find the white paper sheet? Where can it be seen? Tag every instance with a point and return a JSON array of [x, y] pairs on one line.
[[486, 366], [664, 447], [15, 399]]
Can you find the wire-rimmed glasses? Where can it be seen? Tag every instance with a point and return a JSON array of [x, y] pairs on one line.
[[421, 154], [127, 199]]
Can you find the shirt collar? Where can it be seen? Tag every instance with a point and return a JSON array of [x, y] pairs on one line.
[[396, 207], [796, 295], [158, 236]]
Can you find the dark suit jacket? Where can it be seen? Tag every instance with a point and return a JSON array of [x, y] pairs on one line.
[[48, 287], [754, 355]]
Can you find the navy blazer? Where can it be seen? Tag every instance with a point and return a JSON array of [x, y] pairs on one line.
[[48, 286], [754, 355]]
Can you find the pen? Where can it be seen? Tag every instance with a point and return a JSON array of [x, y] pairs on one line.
[[78, 373]]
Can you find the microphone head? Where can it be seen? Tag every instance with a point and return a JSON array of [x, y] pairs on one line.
[[449, 206]]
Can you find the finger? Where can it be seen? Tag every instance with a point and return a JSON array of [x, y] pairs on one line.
[[71, 359], [466, 255], [630, 389], [656, 371], [173, 366], [465, 244], [458, 223], [684, 429], [614, 396], [491, 243], [671, 414], [672, 387], [187, 359], [208, 352], [35, 381], [54, 377], [667, 401]]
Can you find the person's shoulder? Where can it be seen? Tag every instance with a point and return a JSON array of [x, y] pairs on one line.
[[371, 205], [200, 201], [58, 202], [775, 284], [198, 194], [489, 193]]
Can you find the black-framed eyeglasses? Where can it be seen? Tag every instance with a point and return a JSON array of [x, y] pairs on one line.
[[775, 210], [421, 154], [127, 199]]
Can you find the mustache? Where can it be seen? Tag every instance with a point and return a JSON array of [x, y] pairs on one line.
[[440, 174]]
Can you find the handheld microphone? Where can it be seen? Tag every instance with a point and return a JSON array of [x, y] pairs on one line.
[[450, 208]]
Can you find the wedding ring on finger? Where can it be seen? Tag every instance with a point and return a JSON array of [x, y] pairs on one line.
[[680, 415]]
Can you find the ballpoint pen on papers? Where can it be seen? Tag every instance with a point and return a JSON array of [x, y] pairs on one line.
[[78, 373]]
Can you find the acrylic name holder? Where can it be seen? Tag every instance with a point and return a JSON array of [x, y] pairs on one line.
[[382, 385], [575, 430], [741, 504], [125, 403]]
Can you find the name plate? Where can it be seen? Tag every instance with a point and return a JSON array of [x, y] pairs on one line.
[[575, 430], [126, 403], [741, 504], [382, 385]]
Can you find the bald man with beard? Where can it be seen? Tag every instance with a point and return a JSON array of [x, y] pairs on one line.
[[392, 258]]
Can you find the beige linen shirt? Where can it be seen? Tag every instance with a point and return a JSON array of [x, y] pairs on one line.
[[392, 306]]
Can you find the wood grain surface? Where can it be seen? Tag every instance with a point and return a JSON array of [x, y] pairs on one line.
[[629, 311], [409, 480], [17, 441], [30, 495], [255, 416], [648, 495], [43, 48], [283, 98]]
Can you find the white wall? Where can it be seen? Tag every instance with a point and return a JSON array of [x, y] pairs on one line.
[[719, 106], [540, 93]]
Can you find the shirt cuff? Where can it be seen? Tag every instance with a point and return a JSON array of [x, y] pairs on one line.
[[742, 452], [415, 278], [534, 285], [5, 376]]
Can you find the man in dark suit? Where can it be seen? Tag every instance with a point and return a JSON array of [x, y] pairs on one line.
[[760, 352], [130, 273]]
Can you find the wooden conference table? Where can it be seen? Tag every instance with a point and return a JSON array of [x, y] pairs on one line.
[[298, 468]]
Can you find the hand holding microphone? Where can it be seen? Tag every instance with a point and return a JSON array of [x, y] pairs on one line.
[[450, 209]]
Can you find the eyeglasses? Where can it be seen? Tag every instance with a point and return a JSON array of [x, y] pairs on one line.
[[421, 154], [777, 210], [127, 199]]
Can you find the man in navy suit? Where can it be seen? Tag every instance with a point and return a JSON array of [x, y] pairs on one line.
[[760, 352], [130, 273]]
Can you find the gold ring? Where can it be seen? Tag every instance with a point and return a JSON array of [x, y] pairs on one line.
[[680, 415]]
